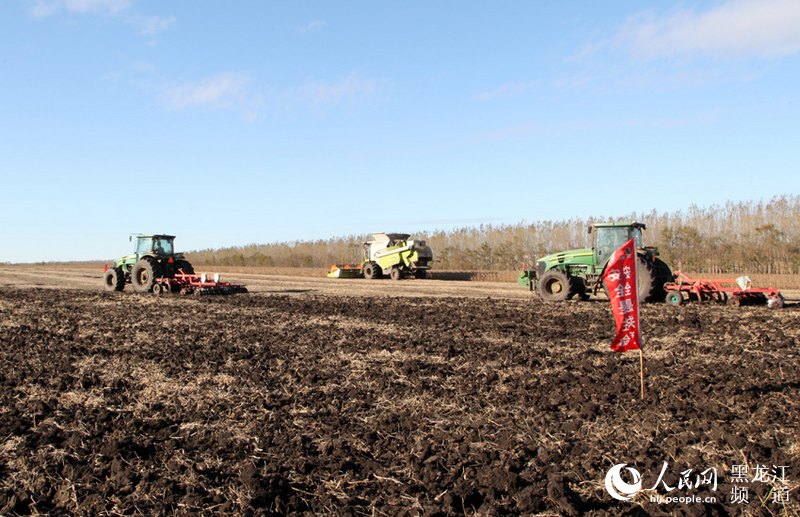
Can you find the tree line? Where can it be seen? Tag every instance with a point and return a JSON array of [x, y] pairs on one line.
[[738, 237]]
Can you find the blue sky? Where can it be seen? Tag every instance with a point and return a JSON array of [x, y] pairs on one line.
[[237, 122]]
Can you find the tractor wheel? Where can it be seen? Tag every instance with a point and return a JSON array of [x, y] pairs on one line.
[[187, 268], [143, 275], [577, 286], [372, 270], [663, 275], [674, 298], [554, 286], [650, 280], [396, 273], [114, 279], [421, 274], [159, 289]]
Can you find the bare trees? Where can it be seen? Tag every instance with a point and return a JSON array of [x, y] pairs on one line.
[[754, 237]]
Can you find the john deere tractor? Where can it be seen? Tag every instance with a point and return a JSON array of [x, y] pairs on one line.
[[153, 257], [563, 275], [395, 255]]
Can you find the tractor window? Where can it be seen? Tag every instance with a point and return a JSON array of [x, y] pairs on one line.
[[162, 246], [636, 235], [144, 245], [610, 239]]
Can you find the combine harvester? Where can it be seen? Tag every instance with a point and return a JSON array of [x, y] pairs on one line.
[[395, 255], [154, 267], [733, 291]]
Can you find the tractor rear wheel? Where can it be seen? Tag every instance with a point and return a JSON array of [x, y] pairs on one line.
[[187, 268], [396, 273], [372, 270], [114, 279], [143, 275], [554, 286], [577, 286]]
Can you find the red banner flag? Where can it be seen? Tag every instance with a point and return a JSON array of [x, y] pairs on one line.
[[620, 280]]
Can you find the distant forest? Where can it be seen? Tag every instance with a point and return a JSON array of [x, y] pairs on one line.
[[745, 237]]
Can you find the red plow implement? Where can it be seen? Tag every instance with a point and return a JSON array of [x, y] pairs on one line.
[[202, 285], [733, 291]]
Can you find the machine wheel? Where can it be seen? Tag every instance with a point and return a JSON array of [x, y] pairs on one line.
[[185, 266], [114, 279], [663, 275], [372, 270], [159, 289], [674, 298], [734, 301], [396, 273], [143, 275], [421, 274], [577, 286], [646, 280], [554, 286]]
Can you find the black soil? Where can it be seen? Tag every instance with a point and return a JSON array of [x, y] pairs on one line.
[[117, 403]]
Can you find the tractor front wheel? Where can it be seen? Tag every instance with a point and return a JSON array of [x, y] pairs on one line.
[[554, 286], [143, 275], [114, 279], [396, 273]]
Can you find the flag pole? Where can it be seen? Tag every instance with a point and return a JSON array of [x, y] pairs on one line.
[[641, 369]]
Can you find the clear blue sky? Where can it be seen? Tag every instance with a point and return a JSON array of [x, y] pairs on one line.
[[238, 122]]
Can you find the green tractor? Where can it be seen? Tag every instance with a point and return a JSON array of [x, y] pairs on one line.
[[153, 258], [395, 255], [563, 275]]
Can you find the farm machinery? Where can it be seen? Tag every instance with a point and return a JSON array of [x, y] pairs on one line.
[[395, 255], [561, 276], [733, 291], [154, 267]]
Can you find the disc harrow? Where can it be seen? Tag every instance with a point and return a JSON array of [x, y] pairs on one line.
[[732, 291], [195, 284]]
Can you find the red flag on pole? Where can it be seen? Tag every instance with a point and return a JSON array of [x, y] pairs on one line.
[[620, 279]]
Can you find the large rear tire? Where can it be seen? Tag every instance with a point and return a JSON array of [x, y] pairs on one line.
[[114, 279], [554, 286], [184, 265], [143, 275], [646, 278], [372, 270]]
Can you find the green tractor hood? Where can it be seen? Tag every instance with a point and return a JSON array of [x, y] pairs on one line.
[[576, 256]]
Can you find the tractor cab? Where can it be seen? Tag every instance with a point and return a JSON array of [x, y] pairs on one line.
[[154, 245], [609, 237]]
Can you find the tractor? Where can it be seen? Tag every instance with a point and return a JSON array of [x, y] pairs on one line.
[[395, 255], [155, 267], [561, 276]]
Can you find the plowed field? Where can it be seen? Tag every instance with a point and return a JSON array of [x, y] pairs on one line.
[[371, 405]]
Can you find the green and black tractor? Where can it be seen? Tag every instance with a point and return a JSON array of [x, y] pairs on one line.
[[561, 276], [153, 257]]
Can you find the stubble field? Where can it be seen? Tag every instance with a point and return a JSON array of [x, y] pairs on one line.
[[294, 399]]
